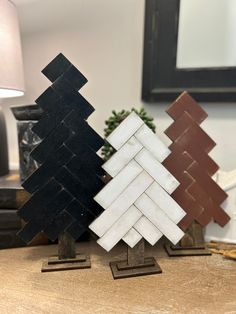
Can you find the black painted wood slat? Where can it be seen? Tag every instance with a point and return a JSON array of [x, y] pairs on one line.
[[69, 176]]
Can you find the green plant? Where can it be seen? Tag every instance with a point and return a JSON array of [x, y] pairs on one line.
[[115, 119]]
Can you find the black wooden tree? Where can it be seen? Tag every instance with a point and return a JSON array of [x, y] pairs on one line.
[[70, 172]]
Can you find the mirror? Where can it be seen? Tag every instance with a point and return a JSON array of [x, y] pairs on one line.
[[189, 45], [206, 34]]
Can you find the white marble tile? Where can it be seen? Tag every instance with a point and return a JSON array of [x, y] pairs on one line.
[[157, 170], [132, 237], [121, 204], [152, 143], [120, 228], [149, 232], [122, 157], [125, 130], [170, 207], [118, 184], [159, 218]]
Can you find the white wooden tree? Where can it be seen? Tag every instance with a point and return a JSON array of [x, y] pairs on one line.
[[137, 202]]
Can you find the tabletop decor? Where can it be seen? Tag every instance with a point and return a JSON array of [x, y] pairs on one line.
[[62, 188], [199, 195], [137, 202]]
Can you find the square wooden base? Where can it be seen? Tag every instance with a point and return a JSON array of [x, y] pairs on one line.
[[186, 251], [121, 269], [54, 264]]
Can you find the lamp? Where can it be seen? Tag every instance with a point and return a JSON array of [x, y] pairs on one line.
[[11, 69]]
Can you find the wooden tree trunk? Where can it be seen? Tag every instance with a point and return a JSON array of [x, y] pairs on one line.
[[66, 246], [67, 258], [136, 264], [193, 237], [136, 254]]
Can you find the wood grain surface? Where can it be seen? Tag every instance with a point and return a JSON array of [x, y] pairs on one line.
[[193, 285], [202, 198], [134, 172], [70, 169]]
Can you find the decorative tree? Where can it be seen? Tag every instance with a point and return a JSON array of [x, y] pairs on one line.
[[70, 172], [115, 119], [198, 194], [136, 201]]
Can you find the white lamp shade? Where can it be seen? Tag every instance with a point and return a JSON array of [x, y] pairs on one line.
[[11, 65]]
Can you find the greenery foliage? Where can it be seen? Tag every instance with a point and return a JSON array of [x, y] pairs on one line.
[[115, 119]]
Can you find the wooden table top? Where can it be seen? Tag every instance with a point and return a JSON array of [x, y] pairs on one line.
[[12, 180], [187, 285]]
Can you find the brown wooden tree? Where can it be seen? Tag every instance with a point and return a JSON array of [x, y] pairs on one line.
[[198, 194]]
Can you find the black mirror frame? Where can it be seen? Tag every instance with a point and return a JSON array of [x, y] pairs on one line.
[[162, 81]]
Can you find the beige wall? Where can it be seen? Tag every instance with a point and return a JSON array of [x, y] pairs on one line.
[[105, 41]]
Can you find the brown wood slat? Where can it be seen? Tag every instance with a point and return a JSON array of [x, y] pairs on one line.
[[195, 136], [186, 103], [180, 126], [199, 156], [186, 128], [177, 162], [212, 188], [194, 179], [192, 207], [213, 210]]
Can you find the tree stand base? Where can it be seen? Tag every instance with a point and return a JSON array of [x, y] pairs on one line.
[[186, 251], [56, 264], [122, 270], [67, 258], [192, 243]]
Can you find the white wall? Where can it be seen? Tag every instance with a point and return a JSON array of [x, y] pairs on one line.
[[105, 40]]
